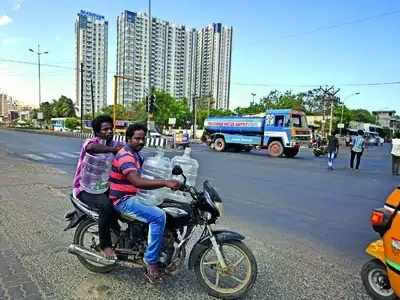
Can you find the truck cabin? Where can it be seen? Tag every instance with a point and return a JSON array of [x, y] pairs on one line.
[[286, 118]]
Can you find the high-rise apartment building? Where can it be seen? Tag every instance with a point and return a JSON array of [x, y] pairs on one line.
[[213, 64], [4, 104], [91, 33], [184, 62]]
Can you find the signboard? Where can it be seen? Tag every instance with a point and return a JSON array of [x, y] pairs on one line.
[[40, 116], [171, 121], [340, 125]]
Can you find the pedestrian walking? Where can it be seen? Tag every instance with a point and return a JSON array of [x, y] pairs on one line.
[[348, 140], [333, 150], [357, 149], [396, 155]]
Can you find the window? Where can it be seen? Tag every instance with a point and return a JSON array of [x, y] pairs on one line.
[[279, 121], [298, 121]]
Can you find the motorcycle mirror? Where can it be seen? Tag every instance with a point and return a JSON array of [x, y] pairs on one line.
[[177, 170]]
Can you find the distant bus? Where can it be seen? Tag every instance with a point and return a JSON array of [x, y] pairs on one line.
[[58, 124]]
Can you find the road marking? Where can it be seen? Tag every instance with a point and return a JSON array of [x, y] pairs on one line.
[[52, 155], [33, 156], [77, 153], [69, 154]]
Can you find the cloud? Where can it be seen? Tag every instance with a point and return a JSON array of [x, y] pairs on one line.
[[4, 20]]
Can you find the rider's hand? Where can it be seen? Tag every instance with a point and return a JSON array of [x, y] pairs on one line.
[[117, 148], [173, 184]]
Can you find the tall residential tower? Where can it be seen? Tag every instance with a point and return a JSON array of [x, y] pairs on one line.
[[184, 62], [91, 33]]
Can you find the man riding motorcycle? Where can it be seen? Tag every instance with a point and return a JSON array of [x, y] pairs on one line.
[[125, 182], [93, 189]]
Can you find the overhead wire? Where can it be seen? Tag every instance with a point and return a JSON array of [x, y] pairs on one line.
[[346, 23], [253, 84]]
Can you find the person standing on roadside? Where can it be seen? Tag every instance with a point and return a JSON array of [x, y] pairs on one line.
[[357, 149], [396, 154], [333, 150]]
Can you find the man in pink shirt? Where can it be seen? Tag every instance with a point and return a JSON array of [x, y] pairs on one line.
[[91, 178]]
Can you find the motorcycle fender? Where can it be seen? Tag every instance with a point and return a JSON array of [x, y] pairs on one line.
[[220, 236], [376, 250], [74, 218]]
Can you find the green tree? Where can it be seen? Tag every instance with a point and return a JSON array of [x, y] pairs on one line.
[[169, 107], [362, 115], [71, 123], [136, 111], [120, 111], [47, 109], [63, 107]]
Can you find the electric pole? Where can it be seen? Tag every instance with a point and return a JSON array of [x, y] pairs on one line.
[[328, 95], [38, 52], [81, 97]]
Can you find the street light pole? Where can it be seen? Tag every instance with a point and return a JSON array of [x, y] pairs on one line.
[[38, 54], [253, 94], [149, 65], [345, 98]]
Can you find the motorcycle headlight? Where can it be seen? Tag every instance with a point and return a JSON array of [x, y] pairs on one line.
[[207, 215], [220, 207]]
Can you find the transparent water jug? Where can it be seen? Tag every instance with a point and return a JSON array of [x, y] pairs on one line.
[[189, 165], [156, 167], [95, 172]]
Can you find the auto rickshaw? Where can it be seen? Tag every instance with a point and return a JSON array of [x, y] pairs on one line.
[[381, 275]]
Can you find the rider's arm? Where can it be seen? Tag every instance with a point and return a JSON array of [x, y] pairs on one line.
[[147, 184], [93, 148]]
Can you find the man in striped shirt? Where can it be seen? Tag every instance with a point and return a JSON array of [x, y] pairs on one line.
[[125, 182]]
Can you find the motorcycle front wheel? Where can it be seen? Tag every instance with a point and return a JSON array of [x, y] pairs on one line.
[[87, 236], [233, 282]]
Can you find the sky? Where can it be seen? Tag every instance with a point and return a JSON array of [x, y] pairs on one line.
[[286, 45]]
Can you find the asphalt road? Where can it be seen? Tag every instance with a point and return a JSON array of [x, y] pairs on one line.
[[297, 198]]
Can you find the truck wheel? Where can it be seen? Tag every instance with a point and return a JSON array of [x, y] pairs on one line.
[[219, 144], [275, 149], [291, 152]]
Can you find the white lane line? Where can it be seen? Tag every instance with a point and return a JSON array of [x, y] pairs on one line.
[[77, 153], [69, 154], [52, 155], [33, 156]]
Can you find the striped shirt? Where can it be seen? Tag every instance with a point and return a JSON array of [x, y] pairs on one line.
[[126, 161]]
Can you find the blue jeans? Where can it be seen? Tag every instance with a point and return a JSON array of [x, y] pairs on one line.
[[152, 215], [331, 158]]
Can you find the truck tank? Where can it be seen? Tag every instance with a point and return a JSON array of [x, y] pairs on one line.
[[236, 125]]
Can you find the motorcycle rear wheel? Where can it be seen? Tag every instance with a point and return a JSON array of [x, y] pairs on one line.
[[213, 284], [86, 228]]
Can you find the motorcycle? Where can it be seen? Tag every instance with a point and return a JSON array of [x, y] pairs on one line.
[[222, 263], [320, 150], [381, 275]]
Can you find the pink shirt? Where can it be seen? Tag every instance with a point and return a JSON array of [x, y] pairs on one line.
[[76, 183]]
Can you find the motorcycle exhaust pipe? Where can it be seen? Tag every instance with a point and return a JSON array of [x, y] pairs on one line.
[[86, 254]]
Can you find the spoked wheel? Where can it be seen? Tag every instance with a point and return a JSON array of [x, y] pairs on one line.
[[87, 236], [375, 279], [234, 281]]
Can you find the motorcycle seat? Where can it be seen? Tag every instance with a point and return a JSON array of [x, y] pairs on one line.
[[92, 212]]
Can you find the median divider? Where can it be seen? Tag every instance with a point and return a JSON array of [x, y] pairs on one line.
[[159, 141]]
